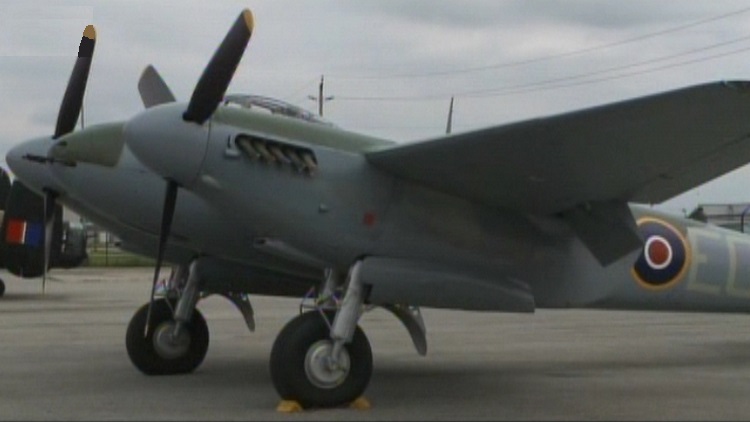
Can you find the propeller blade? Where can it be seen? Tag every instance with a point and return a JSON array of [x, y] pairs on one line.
[[49, 222], [153, 89], [213, 84], [170, 201], [70, 108]]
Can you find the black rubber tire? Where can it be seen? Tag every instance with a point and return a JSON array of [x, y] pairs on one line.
[[2, 288], [288, 364], [141, 349]]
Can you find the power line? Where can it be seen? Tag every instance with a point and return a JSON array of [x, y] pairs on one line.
[[449, 126], [555, 82], [299, 90], [550, 57], [620, 76]]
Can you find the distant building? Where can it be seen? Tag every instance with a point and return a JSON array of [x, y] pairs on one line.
[[97, 237], [731, 216]]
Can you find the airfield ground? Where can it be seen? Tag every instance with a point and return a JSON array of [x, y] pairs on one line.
[[62, 357]]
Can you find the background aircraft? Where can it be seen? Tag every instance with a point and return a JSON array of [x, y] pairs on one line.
[[22, 234], [248, 195]]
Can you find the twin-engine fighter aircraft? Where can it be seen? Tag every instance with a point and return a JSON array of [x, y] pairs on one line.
[[247, 195]]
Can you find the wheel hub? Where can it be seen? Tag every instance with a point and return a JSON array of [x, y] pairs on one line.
[[320, 369], [169, 346]]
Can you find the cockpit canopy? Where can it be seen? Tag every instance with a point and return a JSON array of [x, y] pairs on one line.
[[274, 106]]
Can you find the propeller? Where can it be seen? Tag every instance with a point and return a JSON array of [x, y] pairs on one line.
[[67, 118], [170, 201], [72, 102], [154, 91], [207, 95], [213, 83], [49, 222]]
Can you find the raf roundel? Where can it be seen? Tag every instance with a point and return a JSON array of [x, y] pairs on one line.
[[664, 258]]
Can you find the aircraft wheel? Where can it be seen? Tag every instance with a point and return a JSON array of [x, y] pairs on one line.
[[2, 288], [159, 353], [298, 364]]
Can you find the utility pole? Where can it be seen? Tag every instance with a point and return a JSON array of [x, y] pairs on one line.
[[449, 127], [320, 98]]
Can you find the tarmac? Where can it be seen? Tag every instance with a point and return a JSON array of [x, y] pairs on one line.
[[62, 357]]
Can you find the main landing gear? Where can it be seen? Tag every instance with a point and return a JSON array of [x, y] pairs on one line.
[[174, 338], [2, 288], [322, 358], [162, 349], [303, 367], [164, 339]]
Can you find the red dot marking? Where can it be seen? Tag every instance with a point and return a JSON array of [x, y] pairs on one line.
[[658, 252], [369, 219]]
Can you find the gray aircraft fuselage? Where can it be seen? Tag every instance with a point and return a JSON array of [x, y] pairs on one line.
[[242, 209]]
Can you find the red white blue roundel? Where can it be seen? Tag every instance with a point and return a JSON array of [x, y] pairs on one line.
[[665, 255]]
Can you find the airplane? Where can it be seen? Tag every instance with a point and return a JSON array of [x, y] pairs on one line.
[[246, 195], [24, 213]]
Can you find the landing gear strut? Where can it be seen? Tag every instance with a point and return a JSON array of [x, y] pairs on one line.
[[322, 360]]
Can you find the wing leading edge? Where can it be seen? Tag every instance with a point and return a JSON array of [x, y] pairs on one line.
[[648, 150]]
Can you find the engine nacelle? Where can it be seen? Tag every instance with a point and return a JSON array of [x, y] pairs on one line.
[[399, 281]]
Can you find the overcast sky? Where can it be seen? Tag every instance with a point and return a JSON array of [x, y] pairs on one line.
[[391, 66]]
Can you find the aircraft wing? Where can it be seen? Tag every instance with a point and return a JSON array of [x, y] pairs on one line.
[[646, 150]]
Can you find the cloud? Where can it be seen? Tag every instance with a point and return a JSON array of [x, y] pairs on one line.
[[480, 14], [421, 49]]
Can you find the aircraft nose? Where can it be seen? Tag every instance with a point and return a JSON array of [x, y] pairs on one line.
[[14, 157], [165, 143], [25, 161], [100, 145]]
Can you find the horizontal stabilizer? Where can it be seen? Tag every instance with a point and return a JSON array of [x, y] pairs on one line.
[[399, 281]]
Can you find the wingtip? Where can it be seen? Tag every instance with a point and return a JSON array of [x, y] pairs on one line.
[[741, 86]]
